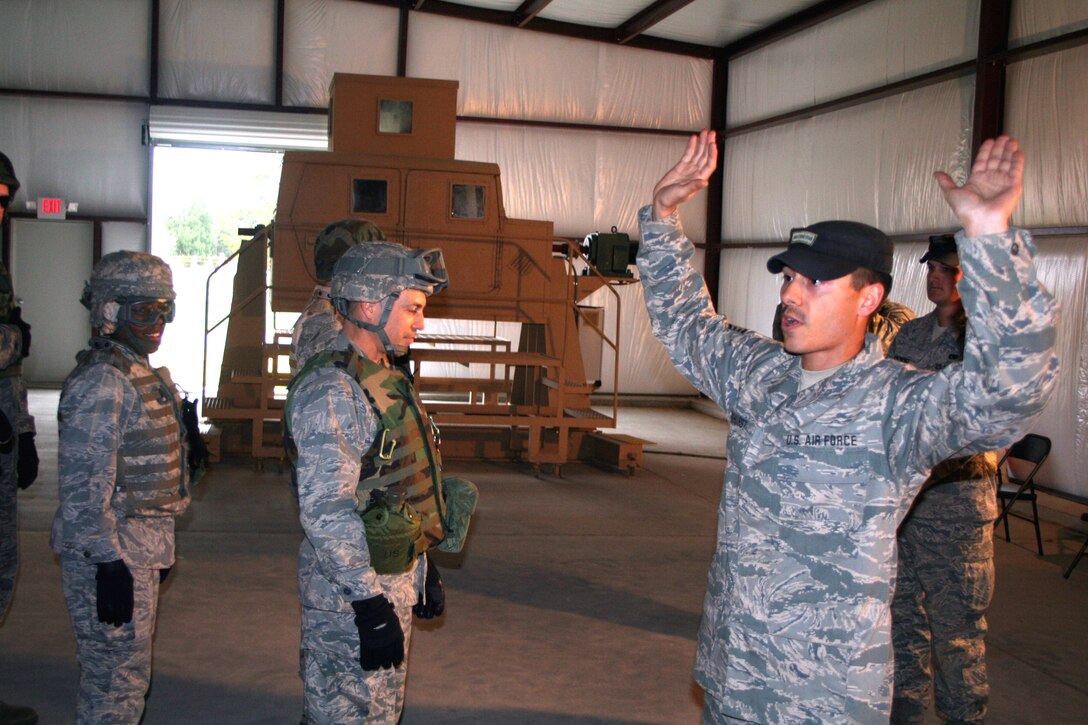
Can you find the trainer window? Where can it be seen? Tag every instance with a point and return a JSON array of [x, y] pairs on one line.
[[370, 196], [468, 201], [395, 117]]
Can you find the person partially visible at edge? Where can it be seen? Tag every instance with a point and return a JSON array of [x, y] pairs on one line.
[[372, 497], [830, 442], [124, 475], [18, 452], [945, 578], [885, 323], [318, 326]]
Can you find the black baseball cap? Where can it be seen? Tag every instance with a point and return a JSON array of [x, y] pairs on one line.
[[833, 249], [942, 248]]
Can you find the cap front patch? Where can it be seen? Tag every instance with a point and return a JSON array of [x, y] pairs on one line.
[[803, 236]]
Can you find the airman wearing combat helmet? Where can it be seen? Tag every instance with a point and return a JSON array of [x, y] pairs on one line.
[[372, 499], [123, 477]]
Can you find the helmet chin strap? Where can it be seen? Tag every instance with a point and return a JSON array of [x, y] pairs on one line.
[[393, 351]]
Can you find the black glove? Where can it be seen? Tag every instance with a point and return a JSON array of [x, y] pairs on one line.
[[381, 640], [7, 435], [163, 573], [26, 470], [114, 593], [16, 318], [432, 602]]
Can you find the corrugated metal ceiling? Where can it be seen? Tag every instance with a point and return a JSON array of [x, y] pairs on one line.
[[712, 23]]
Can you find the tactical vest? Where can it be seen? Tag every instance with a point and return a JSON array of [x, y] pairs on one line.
[[403, 462], [150, 464]]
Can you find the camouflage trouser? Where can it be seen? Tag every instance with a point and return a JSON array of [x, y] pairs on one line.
[[943, 589], [714, 715], [9, 542], [336, 690], [114, 662]]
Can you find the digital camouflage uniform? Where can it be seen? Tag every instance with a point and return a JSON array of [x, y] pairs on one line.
[[796, 622], [946, 567], [13, 404], [333, 426], [315, 330], [119, 423]]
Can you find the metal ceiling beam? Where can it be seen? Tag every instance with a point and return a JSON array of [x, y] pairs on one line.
[[647, 18], [788, 26], [554, 27], [528, 11]]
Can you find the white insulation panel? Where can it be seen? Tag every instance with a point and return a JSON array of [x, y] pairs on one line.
[[75, 45], [322, 38], [217, 50], [872, 163], [1035, 20], [583, 181], [1046, 108], [540, 77], [879, 43]]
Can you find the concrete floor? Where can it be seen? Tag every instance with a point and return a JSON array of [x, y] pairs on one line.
[[576, 600]]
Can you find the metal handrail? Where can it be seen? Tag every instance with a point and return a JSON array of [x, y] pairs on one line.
[[575, 250], [261, 235]]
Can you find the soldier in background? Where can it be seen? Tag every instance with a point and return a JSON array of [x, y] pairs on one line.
[[18, 453], [371, 496], [123, 477], [829, 445], [318, 327], [946, 549]]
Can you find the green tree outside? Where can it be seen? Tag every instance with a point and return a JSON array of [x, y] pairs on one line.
[[199, 232]]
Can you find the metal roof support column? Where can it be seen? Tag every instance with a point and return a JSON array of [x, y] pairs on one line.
[[993, 39], [719, 88]]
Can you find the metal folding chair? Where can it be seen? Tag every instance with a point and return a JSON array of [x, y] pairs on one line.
[[1076, 559], [1032, 450]]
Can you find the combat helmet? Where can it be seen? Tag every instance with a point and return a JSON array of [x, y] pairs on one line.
[[7, 174], [121, 277], [337, 238], [379, 272]]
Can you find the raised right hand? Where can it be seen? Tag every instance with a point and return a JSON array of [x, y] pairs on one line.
[[690, 175]]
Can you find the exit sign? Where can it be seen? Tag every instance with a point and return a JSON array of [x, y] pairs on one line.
[[51, 208]]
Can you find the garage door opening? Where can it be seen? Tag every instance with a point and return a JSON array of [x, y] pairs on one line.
[[200, 198]]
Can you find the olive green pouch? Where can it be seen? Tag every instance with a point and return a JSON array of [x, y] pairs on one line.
[[392, 535], [461, 496]]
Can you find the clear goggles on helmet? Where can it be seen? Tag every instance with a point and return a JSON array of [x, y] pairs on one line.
[[426, 265], [143, 312]]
